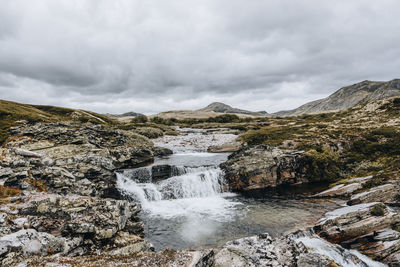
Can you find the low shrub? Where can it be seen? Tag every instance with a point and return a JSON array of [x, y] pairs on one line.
[[323, 165]]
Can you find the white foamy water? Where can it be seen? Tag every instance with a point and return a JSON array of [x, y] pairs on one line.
[[198, 192]]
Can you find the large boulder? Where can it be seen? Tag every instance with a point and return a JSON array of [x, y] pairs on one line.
[[264, 166]]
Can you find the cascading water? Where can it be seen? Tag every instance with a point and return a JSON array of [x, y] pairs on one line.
[[185, 203], [197, 190]]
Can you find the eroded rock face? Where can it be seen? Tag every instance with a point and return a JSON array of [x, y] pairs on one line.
[[371, 228], [264, 166], [46, 224], [69, 158]]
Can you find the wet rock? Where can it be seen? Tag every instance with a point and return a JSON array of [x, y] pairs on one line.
[[162, 172], [162, 152], [264, 166]]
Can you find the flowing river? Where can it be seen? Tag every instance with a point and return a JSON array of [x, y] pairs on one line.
[[192, 207]]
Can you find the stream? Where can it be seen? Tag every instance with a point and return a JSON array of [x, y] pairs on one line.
[[194, 209]]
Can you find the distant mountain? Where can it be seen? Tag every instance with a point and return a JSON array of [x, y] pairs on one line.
[[130, 114], [126, 114], [347, 97], [224, 108], [212, 110]]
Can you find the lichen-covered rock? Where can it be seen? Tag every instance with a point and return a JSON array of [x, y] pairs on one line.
[[70, 225], [70, 158], [259, 250], [264, 166]]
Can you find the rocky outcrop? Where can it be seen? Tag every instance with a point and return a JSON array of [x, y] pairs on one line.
[[65, 158], [264, 166], [47, 224], [371, 228]]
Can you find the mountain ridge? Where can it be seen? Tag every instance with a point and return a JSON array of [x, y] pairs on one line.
[[348, 97]]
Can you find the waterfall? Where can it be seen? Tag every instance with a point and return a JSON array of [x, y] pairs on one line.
[[198, 192], [197, 182]]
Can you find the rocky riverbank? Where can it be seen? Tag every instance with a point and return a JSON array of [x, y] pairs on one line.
[[61, 205], [368, 223]]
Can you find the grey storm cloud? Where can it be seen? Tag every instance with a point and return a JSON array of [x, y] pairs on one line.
[[149, 56]]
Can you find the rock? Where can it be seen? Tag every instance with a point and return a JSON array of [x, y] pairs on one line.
[[5, 172], [31, 242], [344, 190], [264, 166], [225, 148], [365, 227], [26, 153], [259, 250], [90, 223], [162, 172], [162, 151], [386, 193]]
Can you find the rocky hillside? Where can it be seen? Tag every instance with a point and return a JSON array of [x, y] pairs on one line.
[[12, 112], [349, 96]]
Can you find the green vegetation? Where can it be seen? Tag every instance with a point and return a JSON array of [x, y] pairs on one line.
[[323, 165], [357, 142], [271, 135], [149, 132], [140, 119]]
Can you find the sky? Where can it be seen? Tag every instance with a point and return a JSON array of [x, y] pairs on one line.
[[114, 56]]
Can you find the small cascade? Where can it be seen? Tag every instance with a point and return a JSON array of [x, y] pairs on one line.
[[197, 182]]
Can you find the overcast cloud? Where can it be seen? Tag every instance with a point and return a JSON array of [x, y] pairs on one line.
[[151, 56]]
